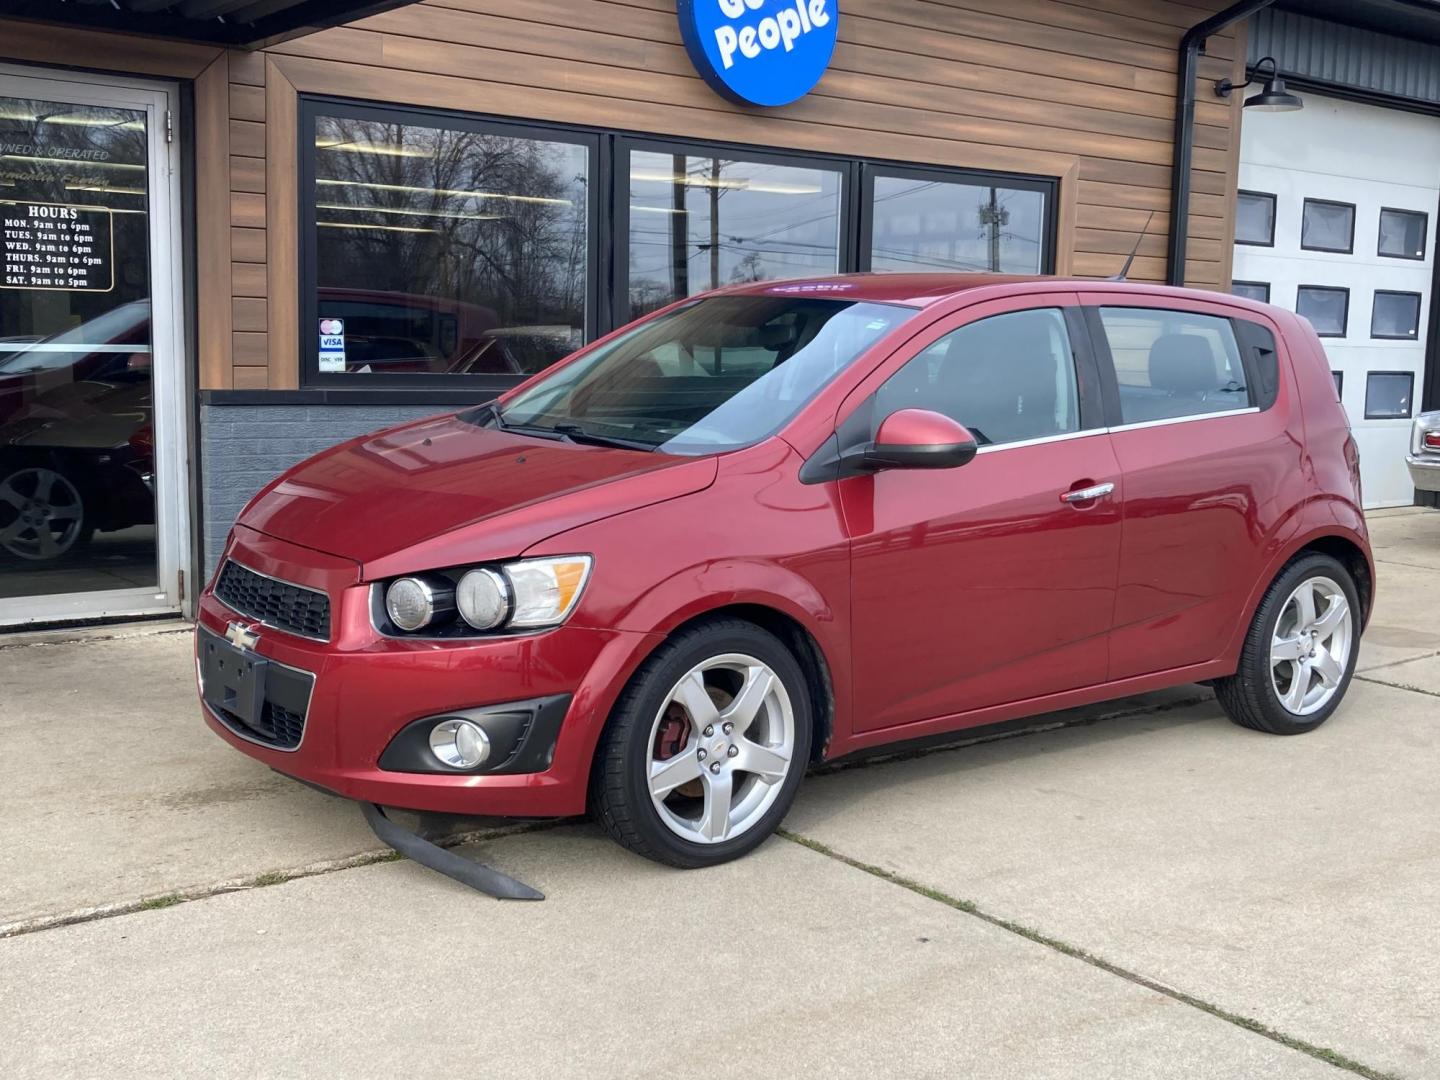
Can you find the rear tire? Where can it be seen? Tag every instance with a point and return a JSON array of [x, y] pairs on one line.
[[706, 747], [1299, 653]]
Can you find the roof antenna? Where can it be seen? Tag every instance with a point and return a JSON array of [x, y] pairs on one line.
[[1124, 270]]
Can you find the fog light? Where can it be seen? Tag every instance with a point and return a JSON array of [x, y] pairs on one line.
[[459, 743]]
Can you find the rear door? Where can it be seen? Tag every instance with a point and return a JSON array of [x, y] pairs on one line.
[[992, 582], [1197, 408]]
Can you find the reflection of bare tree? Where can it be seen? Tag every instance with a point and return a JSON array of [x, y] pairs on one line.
[[482, 218]]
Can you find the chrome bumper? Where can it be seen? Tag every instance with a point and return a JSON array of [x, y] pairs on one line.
[[1424, 472]]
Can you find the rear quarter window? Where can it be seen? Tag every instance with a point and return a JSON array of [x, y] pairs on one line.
[[1174, 364]]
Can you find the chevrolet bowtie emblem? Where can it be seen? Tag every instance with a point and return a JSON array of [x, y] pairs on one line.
[[241, 636]]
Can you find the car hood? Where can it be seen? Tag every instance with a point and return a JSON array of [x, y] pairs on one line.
[[442, 492]]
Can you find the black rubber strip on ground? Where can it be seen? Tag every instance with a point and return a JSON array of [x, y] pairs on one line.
[[478, 876]]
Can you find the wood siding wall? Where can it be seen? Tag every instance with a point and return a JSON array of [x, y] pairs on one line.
[[1083, 91]]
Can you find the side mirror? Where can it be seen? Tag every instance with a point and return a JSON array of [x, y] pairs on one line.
[[919, 439]]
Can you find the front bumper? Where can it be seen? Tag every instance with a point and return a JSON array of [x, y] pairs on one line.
[[1424, 472], [368, 688]]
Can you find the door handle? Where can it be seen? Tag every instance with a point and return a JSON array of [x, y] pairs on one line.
[[1098, 491]]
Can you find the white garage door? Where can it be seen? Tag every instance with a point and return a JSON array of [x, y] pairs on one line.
[[1336, 220]]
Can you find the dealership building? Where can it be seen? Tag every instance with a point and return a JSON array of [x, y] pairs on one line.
[[236, 232]]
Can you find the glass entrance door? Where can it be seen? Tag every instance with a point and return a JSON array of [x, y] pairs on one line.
[[92, 514]]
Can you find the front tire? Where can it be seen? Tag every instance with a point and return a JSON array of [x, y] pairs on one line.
[[706, 747], [1299, 654]]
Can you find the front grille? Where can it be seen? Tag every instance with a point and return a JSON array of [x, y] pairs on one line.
[[275, 603], [279, 727]]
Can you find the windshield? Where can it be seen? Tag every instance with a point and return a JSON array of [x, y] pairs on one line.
[[717, 374]]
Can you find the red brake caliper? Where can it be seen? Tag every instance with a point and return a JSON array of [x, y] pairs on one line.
[[674, 733]]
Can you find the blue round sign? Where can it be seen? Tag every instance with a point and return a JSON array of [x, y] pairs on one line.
[[760, 52]]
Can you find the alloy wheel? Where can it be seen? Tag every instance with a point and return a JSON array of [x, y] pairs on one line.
[[41, 514], [1310, 649], [720, 749]]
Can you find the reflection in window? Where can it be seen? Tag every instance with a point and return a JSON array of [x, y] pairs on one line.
[[697, 223], [447, 251], [922, 224], [1251, 290], [1174, 363], [1007, 378], [1395, 315], [1402, 234], [1387, 395], [1328, 309], [1255, 218], [1327, 226]]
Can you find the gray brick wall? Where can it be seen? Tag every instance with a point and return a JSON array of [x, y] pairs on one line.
[[243, 447]]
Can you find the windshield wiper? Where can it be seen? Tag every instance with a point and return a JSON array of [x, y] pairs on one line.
[[575, 433]]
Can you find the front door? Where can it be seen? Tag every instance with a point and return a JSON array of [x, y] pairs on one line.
[[93, 518], [993, 582]]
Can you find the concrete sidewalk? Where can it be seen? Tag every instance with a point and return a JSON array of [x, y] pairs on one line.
[[1250, 906]]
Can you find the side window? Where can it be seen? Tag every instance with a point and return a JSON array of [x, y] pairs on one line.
[[1007, 378], [1172, 364]]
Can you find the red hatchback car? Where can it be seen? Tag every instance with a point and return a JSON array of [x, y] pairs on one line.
[[787, 522]]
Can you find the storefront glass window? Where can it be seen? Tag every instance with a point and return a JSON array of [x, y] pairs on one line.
[[921, 223], [698, 223], [77, 435], [447, 250]]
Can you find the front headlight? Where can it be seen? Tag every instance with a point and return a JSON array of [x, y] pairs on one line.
[[527, 594], [546, 589]]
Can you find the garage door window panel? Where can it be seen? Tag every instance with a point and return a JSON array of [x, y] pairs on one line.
[[1251, 290], [1255, 219], [1388, 395], [1327, 226], [1327, 307], [1403, 233], [1172, 365], [1009, 378], [1395, 316]]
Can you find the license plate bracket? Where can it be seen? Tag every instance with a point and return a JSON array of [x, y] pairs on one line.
[[232, 679]]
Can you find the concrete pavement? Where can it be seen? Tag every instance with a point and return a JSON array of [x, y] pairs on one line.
[[1221, 880]]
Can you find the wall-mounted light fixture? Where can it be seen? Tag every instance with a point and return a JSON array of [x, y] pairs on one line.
[[1272, 98]]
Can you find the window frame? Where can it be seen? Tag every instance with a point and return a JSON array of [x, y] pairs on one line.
[[1419, 309], [1410, 396], [624, 145], [1274, 213], [1349, 249], [1345, 322], [1424, 233], [1259, 284], [607, 224], [311, 108], [1092, 303], [1338, 378], [871, 170]]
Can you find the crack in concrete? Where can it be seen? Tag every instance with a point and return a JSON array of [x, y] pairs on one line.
[[969, 907], [1398, 686], [54, 921]]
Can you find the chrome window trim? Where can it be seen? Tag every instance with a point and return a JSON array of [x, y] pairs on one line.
[[293, 584], [991, 448], [200, 682], [1064, 436], [1191, 418]]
